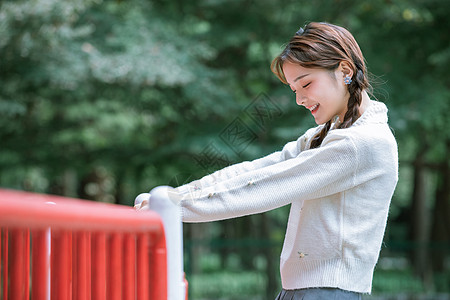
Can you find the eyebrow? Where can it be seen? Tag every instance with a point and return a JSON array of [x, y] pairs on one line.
[[300, 77]]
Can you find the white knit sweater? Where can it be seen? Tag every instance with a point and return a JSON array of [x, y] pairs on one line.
[[339, 195]]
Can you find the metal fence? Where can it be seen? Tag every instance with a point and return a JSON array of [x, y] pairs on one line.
[[59, 248]]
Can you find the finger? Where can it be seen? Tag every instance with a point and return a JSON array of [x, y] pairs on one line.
[[144, 204], [140, 198]]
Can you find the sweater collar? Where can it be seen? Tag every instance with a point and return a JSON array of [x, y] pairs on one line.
[[376, 113]]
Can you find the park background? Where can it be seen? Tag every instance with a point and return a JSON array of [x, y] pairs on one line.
[[103, 100]]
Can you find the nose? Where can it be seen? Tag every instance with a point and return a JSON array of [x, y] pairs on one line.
[[299, 99]]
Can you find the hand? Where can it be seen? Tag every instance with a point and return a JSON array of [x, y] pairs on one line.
[[142, 206], [141, 202]]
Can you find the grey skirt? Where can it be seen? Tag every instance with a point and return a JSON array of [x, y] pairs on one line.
[[318, 294]]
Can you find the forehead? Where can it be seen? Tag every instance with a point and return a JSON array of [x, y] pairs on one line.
[[293, 71]]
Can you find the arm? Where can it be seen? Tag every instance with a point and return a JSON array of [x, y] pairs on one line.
[[311, 174], [289, 151]]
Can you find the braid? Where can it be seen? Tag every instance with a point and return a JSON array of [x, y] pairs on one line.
[[317, 140], [355, 89], [358, 84]]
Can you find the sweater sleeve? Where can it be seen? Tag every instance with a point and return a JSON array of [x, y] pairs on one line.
[[289, 151], [311, 174]]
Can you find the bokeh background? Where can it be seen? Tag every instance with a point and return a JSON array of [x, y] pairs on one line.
[[103, 100]]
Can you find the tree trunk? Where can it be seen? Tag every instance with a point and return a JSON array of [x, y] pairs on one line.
[[65, 184], [197, 233], [420, 221], [441, 218], [227, 232], [248, 230], [271, 264]]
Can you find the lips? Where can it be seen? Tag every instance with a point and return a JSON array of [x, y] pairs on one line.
[[313, 109]]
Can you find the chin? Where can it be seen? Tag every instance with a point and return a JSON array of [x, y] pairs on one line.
[[320, 122]]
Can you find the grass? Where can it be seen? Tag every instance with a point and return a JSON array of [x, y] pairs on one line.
[[227, 285]]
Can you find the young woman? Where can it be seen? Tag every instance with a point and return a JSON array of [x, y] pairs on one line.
[[339, 177]]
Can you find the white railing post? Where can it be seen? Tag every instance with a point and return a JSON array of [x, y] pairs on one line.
[[170, 213]]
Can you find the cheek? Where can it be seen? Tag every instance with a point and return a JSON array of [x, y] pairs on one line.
[[331, 99], [339, 102], [328, 94]]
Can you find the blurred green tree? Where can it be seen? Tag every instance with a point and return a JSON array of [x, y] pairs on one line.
[[91, 83]]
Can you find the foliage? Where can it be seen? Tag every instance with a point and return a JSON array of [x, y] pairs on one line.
[[241, 285], [96, 83]]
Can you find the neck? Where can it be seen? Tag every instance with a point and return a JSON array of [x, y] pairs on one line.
[[365, 102]]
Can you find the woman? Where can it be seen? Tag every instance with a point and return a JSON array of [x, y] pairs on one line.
[[339, 177]]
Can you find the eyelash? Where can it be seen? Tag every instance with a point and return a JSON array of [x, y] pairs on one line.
[[305, 86]]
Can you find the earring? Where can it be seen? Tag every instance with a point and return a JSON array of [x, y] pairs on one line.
[[347, 80]]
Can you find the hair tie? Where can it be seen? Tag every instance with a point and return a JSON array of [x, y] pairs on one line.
[[300, 31], [359, 74]]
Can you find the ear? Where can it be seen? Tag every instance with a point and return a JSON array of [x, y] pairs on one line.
[[345, 68]]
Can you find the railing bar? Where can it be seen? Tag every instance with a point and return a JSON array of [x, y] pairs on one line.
[[81, 287], [61, 272], [40, 265], [1, 262], [27, 258], [5, 245], [48, 234], [158, 269], [19, 259], [129, 267], [98, 260], [114, 290], [76, 267], [89, 264], [143, 276]]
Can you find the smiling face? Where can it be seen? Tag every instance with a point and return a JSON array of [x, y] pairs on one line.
[[322, 92]]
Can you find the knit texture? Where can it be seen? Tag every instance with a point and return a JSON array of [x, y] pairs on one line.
[[339, 195]]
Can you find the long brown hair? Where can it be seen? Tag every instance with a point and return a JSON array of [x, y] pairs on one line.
[[325, 46]]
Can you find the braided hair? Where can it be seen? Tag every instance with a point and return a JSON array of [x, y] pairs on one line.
[[325, 46]]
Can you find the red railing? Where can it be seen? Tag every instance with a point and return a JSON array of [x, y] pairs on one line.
[[60, 248]]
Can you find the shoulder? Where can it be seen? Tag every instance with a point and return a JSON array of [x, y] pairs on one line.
[[368, 136], [371, 129], [373, 145]]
